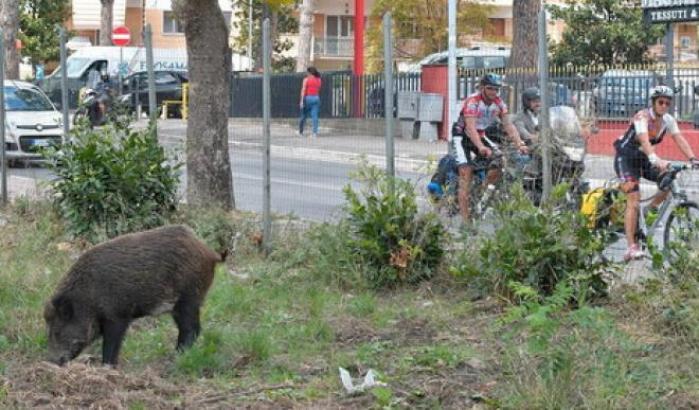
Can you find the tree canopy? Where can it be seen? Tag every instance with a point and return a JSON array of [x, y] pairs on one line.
[[603, 32], [282, 21], [38, 32], [425, 20]]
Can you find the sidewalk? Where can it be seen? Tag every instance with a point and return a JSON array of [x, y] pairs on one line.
[[343, 146], [22, 186]]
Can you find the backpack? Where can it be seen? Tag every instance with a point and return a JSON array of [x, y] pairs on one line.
[[446, 179]]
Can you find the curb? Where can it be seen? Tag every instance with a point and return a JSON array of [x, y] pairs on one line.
[[402, 163]]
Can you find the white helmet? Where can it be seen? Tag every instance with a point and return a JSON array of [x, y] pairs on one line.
[[661, 91]]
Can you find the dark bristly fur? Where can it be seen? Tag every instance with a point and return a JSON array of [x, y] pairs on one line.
[[162, 270]]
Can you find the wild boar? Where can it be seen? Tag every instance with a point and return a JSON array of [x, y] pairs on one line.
[[147, 273]]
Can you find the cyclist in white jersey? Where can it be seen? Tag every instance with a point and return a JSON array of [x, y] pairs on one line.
[[636, 158]]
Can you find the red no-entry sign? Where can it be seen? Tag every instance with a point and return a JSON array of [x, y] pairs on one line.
[[121, 36]]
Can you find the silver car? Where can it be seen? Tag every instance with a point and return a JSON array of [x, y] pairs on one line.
[[31, 122]]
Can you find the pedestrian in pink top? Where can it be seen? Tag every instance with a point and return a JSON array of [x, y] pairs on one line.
[[310, 100]]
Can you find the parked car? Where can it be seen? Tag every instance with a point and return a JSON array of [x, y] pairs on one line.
[[472, 58], [32, 122], [168, 86], [620, 93]]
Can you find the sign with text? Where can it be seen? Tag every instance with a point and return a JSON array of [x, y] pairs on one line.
[[660, 4], [670, 11], [672, 15]]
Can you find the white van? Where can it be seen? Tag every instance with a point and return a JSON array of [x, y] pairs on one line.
[[124, 60]]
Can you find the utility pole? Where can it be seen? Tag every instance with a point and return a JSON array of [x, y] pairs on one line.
[[250, 63], [545, 103]]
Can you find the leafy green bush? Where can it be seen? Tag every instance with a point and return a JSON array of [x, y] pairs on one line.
[[535, 247], [395, 243], [111, 181], [324, 253]]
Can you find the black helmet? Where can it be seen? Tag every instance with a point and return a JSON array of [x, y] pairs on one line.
[[529, 95], [491, 79]]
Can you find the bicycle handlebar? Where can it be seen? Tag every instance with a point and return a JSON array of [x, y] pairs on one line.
[[669, 176]]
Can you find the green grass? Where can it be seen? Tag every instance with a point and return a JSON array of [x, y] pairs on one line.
[[283, 332]]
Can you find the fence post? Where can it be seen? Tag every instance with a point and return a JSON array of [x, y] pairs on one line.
[[3, 158], [669, 52], [266, 119], [451, 70], [388, 93], [64, 85], [545, 132], [152, 104]]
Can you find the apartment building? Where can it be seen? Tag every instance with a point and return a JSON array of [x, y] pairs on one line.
[[333, 31], [134, 14]]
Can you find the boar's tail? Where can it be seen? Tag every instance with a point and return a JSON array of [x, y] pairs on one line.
[[223, 254]]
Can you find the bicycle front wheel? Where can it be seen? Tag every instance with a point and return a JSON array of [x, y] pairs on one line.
[[682, 228]]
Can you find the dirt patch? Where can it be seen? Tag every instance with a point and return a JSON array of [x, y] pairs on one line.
[[78, 385], [412, 330], [350, 330], [684, 401]]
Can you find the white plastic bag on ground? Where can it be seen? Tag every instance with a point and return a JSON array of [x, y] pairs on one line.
[[368, 382]]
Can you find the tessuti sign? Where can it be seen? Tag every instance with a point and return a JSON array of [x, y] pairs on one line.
[[670, 11]]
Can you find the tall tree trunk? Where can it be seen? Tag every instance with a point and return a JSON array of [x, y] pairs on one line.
[[209, 178], [9, 22], [106, 20], [305, 35], [525, 42]]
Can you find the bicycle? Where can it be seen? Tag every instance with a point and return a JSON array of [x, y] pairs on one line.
[[443, 187], [678, 213]]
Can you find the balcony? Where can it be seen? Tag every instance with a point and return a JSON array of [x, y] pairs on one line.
[[334, 46]]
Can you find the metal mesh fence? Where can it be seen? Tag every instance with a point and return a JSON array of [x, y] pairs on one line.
[[309, 173]]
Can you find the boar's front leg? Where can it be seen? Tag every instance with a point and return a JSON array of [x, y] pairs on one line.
[[186, 315], [113, 332]]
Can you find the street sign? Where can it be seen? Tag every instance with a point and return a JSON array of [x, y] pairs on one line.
[[673, 15], [670, 11], [121, 36]]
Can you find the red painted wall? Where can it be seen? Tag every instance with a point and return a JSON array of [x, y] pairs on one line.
[[602, 142], [434, 80]]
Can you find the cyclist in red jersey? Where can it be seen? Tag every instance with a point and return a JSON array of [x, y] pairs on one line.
[[469, 144]]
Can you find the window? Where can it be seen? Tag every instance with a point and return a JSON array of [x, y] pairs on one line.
[[26, 99], [339, 26], [164, 78], [685, 42], [171, 24], [468, 63], [494, 62], [496, 27]]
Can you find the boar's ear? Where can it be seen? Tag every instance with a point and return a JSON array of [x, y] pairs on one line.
[[64, 307]]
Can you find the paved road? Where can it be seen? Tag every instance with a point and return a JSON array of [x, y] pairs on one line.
[[308, 188]]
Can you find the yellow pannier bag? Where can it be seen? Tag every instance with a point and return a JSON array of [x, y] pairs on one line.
[[591, 206]]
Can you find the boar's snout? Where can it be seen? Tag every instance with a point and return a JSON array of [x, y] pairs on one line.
[[59, 360]]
